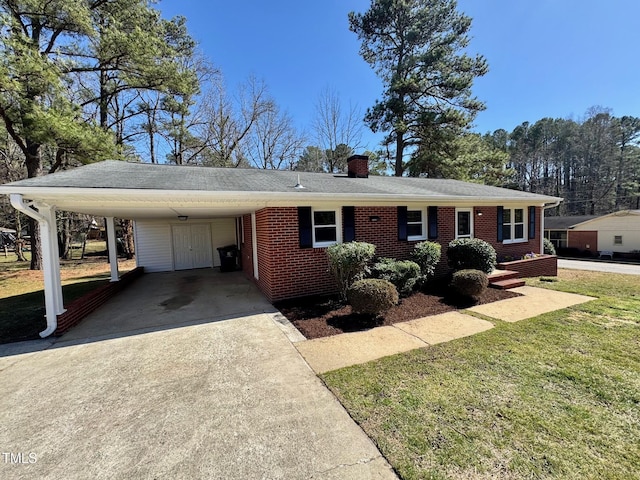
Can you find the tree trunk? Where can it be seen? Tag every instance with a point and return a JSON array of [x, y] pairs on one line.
[[65, 235], [33, 162], [399, 154], [127, 238]]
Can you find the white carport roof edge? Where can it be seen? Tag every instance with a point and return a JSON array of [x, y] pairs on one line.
[[150, 203]]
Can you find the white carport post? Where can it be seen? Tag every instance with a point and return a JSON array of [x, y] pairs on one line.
[[112, 247], [46, 217]]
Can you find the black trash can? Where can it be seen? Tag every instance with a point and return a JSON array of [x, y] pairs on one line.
[[228, 256]]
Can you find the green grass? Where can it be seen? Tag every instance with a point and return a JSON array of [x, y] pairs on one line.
[[23, 315], [557, 396], [22, 296]]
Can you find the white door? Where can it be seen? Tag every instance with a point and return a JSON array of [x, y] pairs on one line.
[[201, 246], [191, 246]]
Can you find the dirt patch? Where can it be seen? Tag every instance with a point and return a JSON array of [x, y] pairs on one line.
[[323, 316]]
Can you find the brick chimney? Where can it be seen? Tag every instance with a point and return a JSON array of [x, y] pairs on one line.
[[358, 166]]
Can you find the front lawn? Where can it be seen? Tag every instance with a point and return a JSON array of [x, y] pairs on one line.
[[22, 296], [557, 396]]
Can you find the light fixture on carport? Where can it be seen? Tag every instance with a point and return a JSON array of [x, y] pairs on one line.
[[183, 218]]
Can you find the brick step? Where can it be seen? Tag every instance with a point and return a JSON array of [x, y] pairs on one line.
[[503, 275], [507, 284]]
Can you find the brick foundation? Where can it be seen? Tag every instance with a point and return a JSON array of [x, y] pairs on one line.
[[83, 306]]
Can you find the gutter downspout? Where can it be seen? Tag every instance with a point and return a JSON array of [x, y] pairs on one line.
[[45, 216], [545, 207]]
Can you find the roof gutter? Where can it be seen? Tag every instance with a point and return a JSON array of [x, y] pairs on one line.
[[50, 304]]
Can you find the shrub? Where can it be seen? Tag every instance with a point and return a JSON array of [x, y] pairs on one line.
[[403, 274], [549, 249], [471, 253], [349, 262], [469, 283], [426, 255], [372, 296]]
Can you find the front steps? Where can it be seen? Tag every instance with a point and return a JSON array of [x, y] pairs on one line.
[[505, 280]]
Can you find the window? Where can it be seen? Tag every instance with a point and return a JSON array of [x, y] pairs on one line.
[[558, 238], [325, 227], [464, 223], [416, 225], [617, 240], [513, 221]]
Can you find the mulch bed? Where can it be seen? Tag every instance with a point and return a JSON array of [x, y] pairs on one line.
[[323, 316]]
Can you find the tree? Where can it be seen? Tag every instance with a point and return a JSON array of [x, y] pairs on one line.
[[72, 71], [228, 121], [313, 159], [337, 131], [417, 48], [274, 142]]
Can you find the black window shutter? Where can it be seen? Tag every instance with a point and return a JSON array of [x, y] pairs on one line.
[[349, 222], [532, 222], [500, 218], [305, 227], [433, 222], [402, 223]]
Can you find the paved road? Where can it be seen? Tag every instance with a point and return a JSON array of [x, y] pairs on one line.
[[627, 268]]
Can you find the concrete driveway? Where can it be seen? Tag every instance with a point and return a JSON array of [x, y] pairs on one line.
[[170, 380]]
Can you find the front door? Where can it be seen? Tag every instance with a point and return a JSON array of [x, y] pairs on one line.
[[191, 246]]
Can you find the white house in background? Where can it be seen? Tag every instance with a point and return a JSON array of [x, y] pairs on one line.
[[618, 232]]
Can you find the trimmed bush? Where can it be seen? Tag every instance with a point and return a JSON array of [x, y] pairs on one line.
[[549, 249], [404, 274], [427, 255], [372, 296], [349, 262], [469, 283], [471, 253]]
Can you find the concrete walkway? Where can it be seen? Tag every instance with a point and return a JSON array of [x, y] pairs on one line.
[[331, 353], [220, 397]]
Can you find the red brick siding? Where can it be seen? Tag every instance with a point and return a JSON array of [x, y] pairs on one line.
[[83, 306], [583, 240], [287, 271], [546, 265], [246, 249]]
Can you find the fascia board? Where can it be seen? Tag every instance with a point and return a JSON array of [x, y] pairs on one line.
[[266, 198]]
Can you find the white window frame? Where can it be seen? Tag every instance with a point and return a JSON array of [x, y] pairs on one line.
[[338, 225], [471, 227], [618, 243], [423, 223], [525, 223]]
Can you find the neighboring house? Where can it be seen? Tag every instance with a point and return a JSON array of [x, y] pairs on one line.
[[617, 232], [557, 229], [281, 221]]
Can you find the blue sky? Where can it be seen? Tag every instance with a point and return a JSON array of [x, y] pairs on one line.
[[547, 58]]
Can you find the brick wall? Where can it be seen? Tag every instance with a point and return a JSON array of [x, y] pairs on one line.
[[583, 240], [83, 306], [287, 271], [546, 265]]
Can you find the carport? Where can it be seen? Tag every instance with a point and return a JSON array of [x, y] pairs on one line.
[[178, 226]]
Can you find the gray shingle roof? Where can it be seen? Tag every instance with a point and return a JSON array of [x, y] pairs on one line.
[[141, 176], [564, 223]]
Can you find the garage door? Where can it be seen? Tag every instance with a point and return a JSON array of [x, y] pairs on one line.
[[192, 246]]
